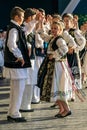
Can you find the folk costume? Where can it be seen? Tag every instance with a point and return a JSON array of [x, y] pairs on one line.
[[1, 56], [39, 56], [74, 59], [16, 47], [31, 72], [53, 77]]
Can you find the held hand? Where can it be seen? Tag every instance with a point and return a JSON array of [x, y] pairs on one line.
[[70, 51], [50, 56], [20, 60], [29, 51], [42, 51], [38, 16]]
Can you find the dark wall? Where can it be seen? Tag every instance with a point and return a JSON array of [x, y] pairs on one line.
[[62, 5], [50, 7], [81, 9]]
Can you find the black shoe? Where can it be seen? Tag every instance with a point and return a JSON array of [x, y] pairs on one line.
[[53, 106], [69, 113], [57, 115], [31, 110], [72, 99], [18, 119], [61, 116], [35, 102]]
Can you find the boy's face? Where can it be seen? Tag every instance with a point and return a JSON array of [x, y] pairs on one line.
[[19, 19]]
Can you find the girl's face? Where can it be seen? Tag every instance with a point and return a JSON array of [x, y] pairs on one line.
[[55, 30], [68, 22]]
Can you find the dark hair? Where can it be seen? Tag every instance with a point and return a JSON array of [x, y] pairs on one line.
[[29, 12], [16, 11], [70, 16], [41, 10], [57, 16]]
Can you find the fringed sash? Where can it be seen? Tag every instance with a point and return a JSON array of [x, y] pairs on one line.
[[79, 92]]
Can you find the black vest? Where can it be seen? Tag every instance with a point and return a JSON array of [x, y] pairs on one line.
[[55, 47], [31, 40], [34, 50], [9, 58]]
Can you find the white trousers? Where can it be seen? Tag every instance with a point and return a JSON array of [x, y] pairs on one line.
[[27, 97], [16, 93], [36, 94]]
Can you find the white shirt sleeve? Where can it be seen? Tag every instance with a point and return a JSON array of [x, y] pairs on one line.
[[69, 39], [80, 40], [29, 27], [11, 43], [39, 42], [44, 35]]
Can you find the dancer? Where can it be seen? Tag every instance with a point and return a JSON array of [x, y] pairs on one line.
[[16, 62], [53, 76]]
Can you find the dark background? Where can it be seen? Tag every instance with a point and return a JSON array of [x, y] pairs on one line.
[[50, 6]]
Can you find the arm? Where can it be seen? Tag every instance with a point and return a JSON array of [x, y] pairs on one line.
[[80, 39], [38, 41], [69, 40], [12, 40], [29, 27]]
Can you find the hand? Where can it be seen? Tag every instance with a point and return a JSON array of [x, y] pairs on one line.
[[29, 51], [42, 51], [70, 51], [39, 17], [20, 60], [50, 56]]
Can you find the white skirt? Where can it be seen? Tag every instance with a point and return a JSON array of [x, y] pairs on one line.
[[62, 82]]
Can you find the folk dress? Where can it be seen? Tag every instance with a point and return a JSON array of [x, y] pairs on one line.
[[53, 76]]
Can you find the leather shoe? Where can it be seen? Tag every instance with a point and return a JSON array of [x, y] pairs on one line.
[[31, 110], [61, 116], [18, 119], [35, 102], [57, 115], [72, 99], [69, 113], [53, 106]]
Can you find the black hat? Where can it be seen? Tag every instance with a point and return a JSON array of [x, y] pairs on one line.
[[29, 12]]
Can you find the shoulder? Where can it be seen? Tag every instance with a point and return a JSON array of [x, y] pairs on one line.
[[60, 41]]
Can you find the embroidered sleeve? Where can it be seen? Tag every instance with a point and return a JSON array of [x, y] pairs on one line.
[[39, 41], [80, 39], [44, 35], [62, 49], [69, 39]]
